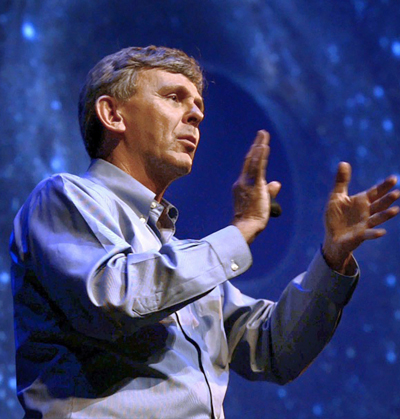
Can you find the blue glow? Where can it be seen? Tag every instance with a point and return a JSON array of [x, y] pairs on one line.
[[28, 31], [57, 164], [333, 53], [56, 105], [300, 288], [4, 277], [391, 357], [379, 91], [387, 125], [397, 314], [396, 48], [12, 383], [362, 151], [317, 410], [350, 353], [360, 98], [391, 280], [282, 393]]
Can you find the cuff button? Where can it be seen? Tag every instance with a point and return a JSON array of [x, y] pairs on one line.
[[234, 266]]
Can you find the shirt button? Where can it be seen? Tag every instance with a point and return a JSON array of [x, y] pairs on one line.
[[153, 205], [143, 219], [234, 266]]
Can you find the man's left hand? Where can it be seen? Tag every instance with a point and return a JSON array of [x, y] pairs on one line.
[[350, 220]]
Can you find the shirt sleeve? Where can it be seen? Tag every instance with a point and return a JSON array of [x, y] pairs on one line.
[[278, 341], [67, 241]]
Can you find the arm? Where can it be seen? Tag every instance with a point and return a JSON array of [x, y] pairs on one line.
[[69, 247], [277, 341]]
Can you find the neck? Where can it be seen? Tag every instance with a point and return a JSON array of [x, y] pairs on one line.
[[138, 171]]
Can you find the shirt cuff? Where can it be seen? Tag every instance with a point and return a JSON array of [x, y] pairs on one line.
[[232, 250], [321, 279]]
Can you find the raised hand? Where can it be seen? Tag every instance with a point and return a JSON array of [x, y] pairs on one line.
[[251, 192], [350, 220]]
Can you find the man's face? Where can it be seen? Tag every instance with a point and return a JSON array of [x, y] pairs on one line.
[[162, 123]]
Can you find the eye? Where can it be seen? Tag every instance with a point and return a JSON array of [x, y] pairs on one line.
[[173, 96]]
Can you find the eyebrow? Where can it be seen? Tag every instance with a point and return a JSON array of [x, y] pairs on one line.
[[198, 100]]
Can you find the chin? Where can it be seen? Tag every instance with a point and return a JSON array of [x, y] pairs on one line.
[[169, 170], [182, 166], [183, 170]]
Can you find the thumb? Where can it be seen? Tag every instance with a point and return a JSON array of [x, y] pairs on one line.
[[274, 188], [343, 177]]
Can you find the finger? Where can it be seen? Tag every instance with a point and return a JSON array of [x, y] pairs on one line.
[[378, 191], [372, 234], [383, 216], [260, 138], [247, 160], [255, 168], [263, 163], [385, 202], [274, 188], [343, 177], [265, 139], [256, 161]]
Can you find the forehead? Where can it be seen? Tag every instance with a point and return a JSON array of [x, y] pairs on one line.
[[156, 79]]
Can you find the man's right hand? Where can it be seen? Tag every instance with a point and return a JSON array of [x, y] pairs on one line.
[[251, 192]]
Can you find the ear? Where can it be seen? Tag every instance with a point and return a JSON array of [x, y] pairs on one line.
[[109, 115]]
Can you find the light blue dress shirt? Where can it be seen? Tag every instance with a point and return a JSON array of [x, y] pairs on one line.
[[116, 318]]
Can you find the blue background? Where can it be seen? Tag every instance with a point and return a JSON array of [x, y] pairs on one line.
[[321, 76]]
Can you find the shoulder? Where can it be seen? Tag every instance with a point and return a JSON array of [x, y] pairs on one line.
[[67, 185], [64, 192]]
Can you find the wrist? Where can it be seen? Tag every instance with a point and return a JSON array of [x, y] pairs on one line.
[[337, 258], [249, 228]]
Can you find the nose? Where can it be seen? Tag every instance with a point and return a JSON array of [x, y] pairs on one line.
[[194, 116]]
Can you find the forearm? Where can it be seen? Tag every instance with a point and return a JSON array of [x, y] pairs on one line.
[[151, 285], [111, 294], [279, 341], [307, 316]]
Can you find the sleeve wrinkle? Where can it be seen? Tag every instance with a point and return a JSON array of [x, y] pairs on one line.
[[280, 341]]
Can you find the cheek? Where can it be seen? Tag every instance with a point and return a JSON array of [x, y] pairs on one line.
[[165, 119], [166, 128]]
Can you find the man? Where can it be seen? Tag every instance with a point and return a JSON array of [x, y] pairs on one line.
[[115, 317]]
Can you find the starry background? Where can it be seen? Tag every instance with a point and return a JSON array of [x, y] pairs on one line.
[[321, 76]]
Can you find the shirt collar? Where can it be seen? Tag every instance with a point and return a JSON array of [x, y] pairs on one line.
[[128, 189]]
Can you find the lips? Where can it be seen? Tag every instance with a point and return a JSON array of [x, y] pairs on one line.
[[189, 141]]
